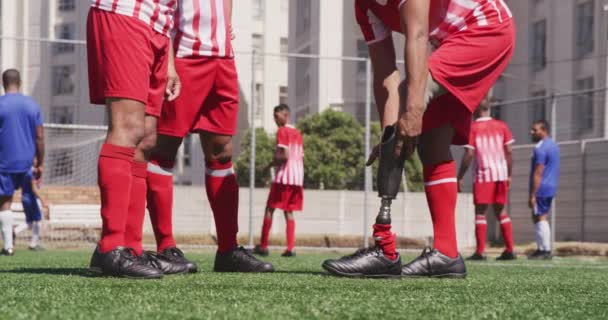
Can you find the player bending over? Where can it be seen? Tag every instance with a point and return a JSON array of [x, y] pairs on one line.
[[130, 72], [544, 178], [287, 191], [208, 105], [490, 143], [473, 41]]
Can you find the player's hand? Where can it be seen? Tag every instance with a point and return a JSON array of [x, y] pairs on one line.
[[532, 202], [409, 127], [373, 155], [460, 185], [38, 173], [509, 183], [232, 35], [174, 85]]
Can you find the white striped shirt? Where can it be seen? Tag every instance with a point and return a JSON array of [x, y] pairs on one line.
[[202, 29], [488, 138], [292, 171], [158, 14]]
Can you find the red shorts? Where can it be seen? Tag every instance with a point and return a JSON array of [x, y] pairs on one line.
[[286, 197], [209, 100], [467, 64], [490, 192], [126, 59]]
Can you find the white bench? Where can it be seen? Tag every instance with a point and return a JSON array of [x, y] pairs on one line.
[[81, 215]]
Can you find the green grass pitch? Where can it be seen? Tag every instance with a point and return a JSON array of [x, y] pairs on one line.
[[56, 285]]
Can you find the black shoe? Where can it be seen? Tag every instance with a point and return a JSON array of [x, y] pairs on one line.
[[36, 248], [477, 257], [7, 252], [367, 262], [536, 255], [260, 251], [506, 255], [434, 264], [240, 260], [122, 262], [288, 253], [174, 256], [546, 255]]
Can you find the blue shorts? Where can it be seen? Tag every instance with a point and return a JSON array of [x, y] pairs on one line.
[[543, 205], [31, 208], [9, 182]]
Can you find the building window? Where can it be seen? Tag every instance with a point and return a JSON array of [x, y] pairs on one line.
[[257, 43], [64, 31], [538, 110], [63, 80], [284, 48], [188, 150], [259, 98], [303, 13], [362, 52], [539, 45], [258, 9], [66, 5], [62, 114], [283, 95], [583, 108], [584, 28]]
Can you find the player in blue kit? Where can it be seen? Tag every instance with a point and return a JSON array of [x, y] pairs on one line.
[[21, 139], [544, 178]]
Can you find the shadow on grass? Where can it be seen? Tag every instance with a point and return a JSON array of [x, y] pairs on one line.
[[82, 272], [309, 273]]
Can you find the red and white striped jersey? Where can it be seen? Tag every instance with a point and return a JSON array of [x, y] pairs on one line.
[[488, 138], [291, 172], [202, 29], [377, 18], [158, 14]]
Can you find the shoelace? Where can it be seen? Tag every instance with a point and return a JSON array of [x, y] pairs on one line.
[[128, 254], [176, 252], [426, 253], [248, 254], [362, 252]]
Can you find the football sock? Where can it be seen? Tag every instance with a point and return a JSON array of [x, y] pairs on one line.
[[137, 207], [114, 180], [290, 231], [538, 236], [223, 194], [35, 234], [385, 239], [265, 232], [545, 230], [441, 192], [160, 200], [6, 220], [506, 227], [481, 227]]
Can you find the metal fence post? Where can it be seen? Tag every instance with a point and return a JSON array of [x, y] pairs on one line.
[[368, 170], [554, 135], [252, 151]]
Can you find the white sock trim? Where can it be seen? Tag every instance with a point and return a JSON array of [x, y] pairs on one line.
[[505, 220], [152, 168], [220, 173], [440, 181]]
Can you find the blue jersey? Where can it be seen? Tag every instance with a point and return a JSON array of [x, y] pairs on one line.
[[19, 117], [546, 153]]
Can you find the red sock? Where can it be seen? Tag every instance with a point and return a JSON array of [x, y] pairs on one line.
[[114, 180], [481, 227], [291, 234], [506, 227], [160, 201], [137, 207], [265, 231], [223, 194], [385, 239], [441, 191]]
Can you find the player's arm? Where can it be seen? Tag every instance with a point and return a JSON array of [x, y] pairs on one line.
[[537, 177], [509, 158], [467, 158], [174, 84], [414, 24], [38, 195], [39, 152], [232, 36]]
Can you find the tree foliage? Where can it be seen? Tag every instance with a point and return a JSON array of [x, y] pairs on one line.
[[264, 152]]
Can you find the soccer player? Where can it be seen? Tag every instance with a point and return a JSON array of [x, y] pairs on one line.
[[287, 191], [208, 105], [21, 139], [544, 177], [130, 71], [31, 199], [473, 41], [490, 143]]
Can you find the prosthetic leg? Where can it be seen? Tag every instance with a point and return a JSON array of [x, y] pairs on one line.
[[390, 171]]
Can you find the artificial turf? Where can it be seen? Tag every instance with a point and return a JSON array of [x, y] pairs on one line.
[[56, 285]]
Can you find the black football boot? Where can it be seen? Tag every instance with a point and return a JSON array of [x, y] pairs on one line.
[[288, 254], [434, 264], [122, 262], [367, 262], [477, 257], [240, 260], [176, 257], [505, 256], [260, 251]]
